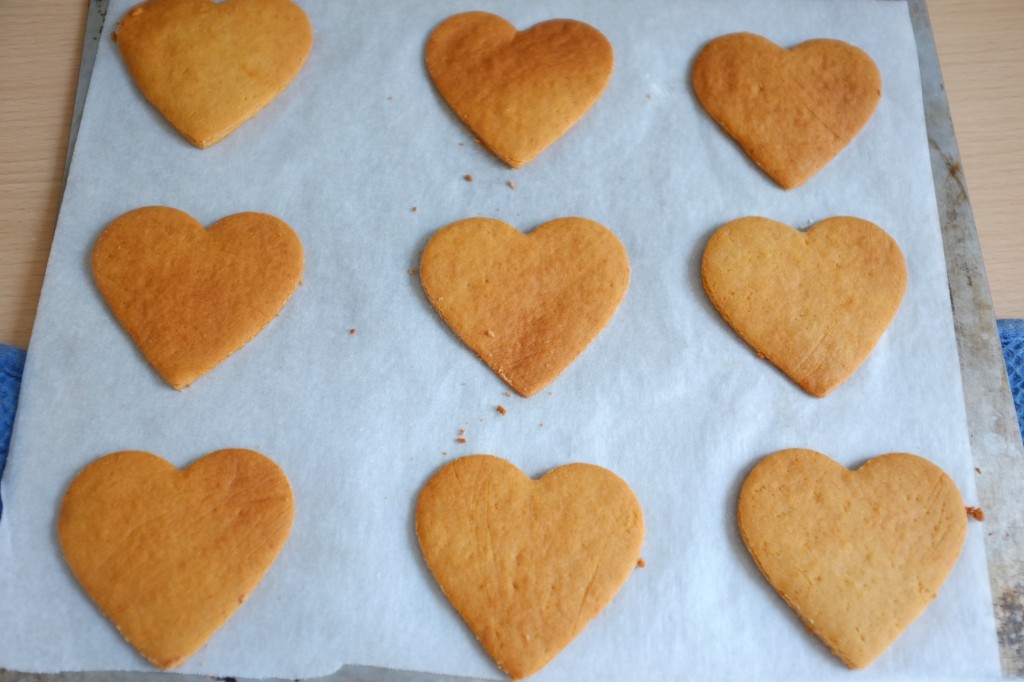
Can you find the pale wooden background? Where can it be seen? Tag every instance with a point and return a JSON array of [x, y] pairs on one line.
[[981, 48]]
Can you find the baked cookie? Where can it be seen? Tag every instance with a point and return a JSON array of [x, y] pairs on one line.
[[793, 110], [188, 296], [208, 67], [518, 91], [167, 555], [813, 303], [859, 554], [527, 564], [527, 304]]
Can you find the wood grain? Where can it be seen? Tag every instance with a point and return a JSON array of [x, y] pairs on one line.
[[39, 58], [980, 48]]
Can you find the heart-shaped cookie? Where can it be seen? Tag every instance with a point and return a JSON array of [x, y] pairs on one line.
[[190, 297], [167, 555], [518, 92], [857, 554], [527, 304], [793, 110], [209, 66], [527, 564], [813, 303]]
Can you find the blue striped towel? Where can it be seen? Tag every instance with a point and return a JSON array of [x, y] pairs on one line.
[[12, 362], [1011, 334]]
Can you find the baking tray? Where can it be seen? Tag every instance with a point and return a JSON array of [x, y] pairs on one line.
[[996, 444]]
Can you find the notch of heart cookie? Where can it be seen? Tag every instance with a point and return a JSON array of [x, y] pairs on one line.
[[528, 564], [518, 91], [190, 297], [169, 555], [210, 66], [858, 555], [792, 111], [814, 303], [526, 304]]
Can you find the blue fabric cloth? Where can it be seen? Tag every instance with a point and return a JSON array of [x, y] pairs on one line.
[[1011, 334], [12, 362]]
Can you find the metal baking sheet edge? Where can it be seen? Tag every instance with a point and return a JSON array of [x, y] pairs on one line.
[[996, 443], [991, 420]]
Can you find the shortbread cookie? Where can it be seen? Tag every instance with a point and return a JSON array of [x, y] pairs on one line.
[[189, 296], [209, 66], [167, 555], [793, 110], [813, 303], [857, 554], [518, 91], [527, 304], [527, 564]]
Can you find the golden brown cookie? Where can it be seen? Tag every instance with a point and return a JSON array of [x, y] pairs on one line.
[[167, 555], [813, 303], [518, 91], [857, 554], [188, 296], [527, 564], [793, 110], [527, 304], [208, 66]]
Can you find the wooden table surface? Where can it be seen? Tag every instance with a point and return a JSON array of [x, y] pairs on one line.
[[981, 48]]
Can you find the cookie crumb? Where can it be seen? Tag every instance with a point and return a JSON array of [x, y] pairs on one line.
[[460, 440], [469, 178], [511, 184], [977, 470], [462, 432], [501, 409], [413, 209], [489, 333], [351, 332], [640, 563], [976, 513], [413, 271], [113, 36]]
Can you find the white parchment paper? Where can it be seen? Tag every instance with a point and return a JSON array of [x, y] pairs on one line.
[[668, 396]]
